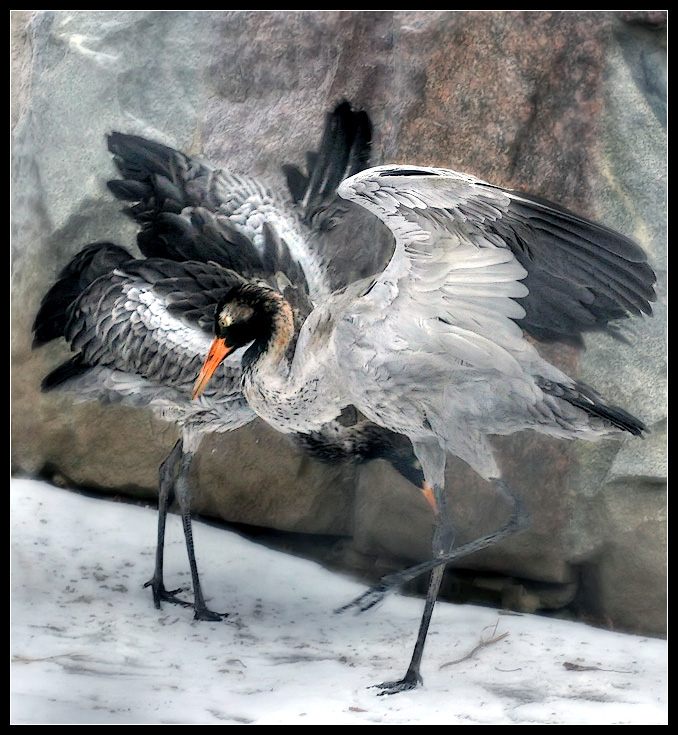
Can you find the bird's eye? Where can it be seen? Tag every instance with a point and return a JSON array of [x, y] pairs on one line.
[[225, 320]]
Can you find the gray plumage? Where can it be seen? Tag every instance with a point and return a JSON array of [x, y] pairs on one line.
[[140, 327], [434, 347]]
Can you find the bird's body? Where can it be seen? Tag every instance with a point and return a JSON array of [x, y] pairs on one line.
[[140, 327], [434, 347], [447, 318]]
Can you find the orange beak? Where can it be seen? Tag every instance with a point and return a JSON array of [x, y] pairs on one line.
[[215, 356]]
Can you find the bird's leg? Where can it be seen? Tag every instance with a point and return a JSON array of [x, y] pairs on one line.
[[518, 521], [443, 538], [432, 458], [173, 479], [165, 489], [183, 491]]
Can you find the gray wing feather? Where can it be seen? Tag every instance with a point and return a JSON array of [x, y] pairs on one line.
[[495, 252], [151, 318]]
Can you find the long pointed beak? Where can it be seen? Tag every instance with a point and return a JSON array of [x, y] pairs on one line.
[[215, 356]]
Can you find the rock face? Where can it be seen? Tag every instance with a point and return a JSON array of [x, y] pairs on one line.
[[570, 106]]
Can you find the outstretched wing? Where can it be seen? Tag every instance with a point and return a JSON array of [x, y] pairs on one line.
[[151, 318], [482, 260], [189, 209], [344, 150]]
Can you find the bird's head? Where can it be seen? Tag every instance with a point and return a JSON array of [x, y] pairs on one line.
[[251, 313]]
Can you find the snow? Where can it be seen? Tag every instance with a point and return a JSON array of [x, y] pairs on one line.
[[88, 646]]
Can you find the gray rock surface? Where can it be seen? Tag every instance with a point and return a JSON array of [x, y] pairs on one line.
[[568, 105]]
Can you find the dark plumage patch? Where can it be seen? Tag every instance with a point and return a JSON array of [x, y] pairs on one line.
[[581, 276], [344, 150], [592, 404], [363, 443], [72, 368], [90, 263], [406, 172]]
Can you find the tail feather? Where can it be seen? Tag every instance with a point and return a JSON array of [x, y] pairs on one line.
[[594, 405]]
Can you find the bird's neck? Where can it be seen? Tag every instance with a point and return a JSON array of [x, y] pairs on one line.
[[269, 355], [281, 386], [267, 382]]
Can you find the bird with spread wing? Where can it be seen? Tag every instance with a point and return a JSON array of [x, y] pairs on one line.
[[437, 345], [139, 327]]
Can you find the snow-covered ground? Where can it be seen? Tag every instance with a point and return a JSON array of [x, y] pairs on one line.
[[87, 645]]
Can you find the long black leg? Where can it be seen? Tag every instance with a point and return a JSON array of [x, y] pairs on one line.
[[517, 522], [165, 491], [442, 555], [443, 538], [183, 491], [174, 480]]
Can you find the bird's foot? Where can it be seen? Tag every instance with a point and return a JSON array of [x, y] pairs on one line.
[[202, 612], [387, 584], [365, 601], [160, 594], [410, 681]]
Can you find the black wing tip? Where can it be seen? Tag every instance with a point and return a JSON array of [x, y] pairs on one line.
[[583, 274], [94, 260], [297, 181], [345, 149], [123, 143], [129, 190], [140, 159], [404, 171], [585, 398], [68, 370]]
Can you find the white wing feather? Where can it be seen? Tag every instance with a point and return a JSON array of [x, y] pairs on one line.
[[447, 280]]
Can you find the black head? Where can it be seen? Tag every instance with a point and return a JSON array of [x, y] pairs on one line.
[[247, 313]]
